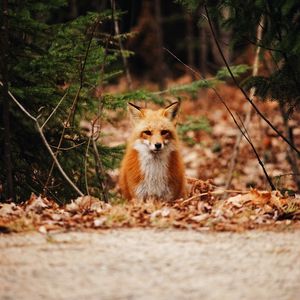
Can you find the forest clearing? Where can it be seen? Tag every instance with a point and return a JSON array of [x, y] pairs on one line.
[[248, 204], [211, 208]]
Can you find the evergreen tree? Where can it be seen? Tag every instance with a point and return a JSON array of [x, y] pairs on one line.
[[280, 38], [46, 63], [280, 42]]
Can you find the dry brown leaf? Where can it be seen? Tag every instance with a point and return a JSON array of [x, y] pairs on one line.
[[255, 209], [87, 203], [7, 209], [200, 218], [99, 222], [36, 204]]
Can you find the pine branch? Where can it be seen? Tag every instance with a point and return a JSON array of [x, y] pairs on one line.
[[242, 90], [81, 73], [40, 130], [99, 168], [74, 104]]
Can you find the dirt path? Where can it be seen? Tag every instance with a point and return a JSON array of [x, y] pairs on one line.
[[150, 264]]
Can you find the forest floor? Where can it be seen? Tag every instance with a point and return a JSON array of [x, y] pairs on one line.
[[150, 264], [85, 249]]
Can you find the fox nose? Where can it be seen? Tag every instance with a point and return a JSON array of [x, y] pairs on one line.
[[157, 146]]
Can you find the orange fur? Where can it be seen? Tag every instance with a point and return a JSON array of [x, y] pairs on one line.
[[130, 174], [152, 166], [177, 175]]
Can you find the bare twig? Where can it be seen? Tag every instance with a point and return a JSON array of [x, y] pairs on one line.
[[291, 155], [187, 66], [68, 148], [46, 143], [246, 136], [234, 119], [74, 104], [242, 90], [56, 161], [81, 73], [55, 109], [100, 169], [247, 119], [86, 164], [19, 104]]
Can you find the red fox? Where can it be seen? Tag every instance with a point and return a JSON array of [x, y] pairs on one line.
[[152, 166]]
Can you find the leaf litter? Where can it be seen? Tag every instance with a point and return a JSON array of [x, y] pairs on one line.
[[207, 206], [204, 209]]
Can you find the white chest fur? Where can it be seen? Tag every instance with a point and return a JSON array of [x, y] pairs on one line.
[[154, 167]]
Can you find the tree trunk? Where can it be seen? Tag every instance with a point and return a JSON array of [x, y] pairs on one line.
[[202, 32], [160, 54], [190, 43], [226, 36], [216, 57], [73, 9], [117, 33], [7, 162]]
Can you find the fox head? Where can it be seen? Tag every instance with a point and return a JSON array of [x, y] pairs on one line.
[[154, 130]]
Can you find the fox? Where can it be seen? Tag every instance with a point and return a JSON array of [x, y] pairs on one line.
[[152, 167]]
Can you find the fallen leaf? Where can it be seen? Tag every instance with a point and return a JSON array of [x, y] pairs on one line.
[[8, 209], [200, 218], [100, 222]]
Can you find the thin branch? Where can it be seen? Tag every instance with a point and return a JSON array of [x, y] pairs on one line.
[[188, 67], [46, 144], [20, 106], [67, 148], [82, 69], [39, 181], [242, 90], [236, 148], [291, 156], [56, 161], [245, 135], [86, 165], [260, 45], [100, 170], [55, 109], [235, 121], [74, 104]]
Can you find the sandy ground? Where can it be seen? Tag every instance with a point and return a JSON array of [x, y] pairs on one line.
[[150, 264]]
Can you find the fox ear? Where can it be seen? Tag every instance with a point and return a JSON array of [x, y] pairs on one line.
[[171, 111], [135, 111]]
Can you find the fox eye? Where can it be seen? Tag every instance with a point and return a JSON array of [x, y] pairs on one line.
[[147, 132], [164, 132]]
